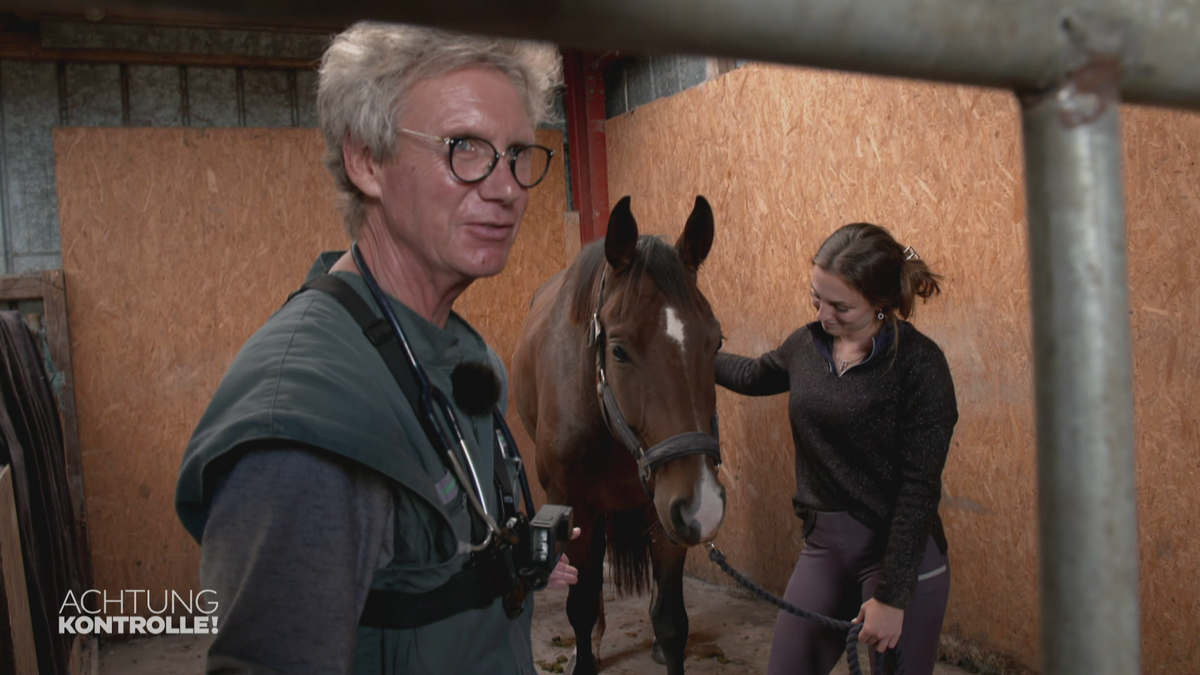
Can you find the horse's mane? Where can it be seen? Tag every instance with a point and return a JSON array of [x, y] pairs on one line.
[[652, 256]]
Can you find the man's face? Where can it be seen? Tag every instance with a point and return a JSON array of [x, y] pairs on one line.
[[452, 231]]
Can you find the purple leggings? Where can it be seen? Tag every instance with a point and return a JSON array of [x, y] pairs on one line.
[[838, 570]]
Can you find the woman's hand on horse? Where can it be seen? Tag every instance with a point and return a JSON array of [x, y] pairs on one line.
[[564, 574], [882, 624]]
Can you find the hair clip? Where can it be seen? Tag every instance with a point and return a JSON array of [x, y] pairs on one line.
[[910, 253]]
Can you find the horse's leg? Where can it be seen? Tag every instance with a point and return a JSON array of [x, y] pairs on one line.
[[585, 597], [601, 623], [667, 613], [656, 652], [597, 563]]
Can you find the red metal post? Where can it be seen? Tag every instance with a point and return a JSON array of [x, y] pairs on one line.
[[584, 99]]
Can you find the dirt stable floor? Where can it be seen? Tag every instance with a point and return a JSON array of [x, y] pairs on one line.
[[730, 635]]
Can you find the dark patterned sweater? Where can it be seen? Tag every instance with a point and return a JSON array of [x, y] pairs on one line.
[[871, 442]]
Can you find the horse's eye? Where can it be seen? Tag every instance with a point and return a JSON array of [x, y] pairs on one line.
[[720, 343], [620, 354]]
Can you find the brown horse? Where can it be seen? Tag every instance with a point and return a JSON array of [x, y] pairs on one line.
[[616, 356]]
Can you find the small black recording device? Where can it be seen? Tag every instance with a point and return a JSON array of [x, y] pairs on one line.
[[524, 554], [548, 533]]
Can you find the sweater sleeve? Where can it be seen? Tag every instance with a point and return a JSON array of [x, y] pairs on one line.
[[765, 376], [290, 549], [928, 414]]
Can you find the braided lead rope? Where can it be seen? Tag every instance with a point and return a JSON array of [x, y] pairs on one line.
[[852, 629]]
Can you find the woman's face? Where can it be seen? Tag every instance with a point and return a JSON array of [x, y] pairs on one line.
[[841, 309]]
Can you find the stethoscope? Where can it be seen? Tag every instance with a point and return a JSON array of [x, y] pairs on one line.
[[434, 404]]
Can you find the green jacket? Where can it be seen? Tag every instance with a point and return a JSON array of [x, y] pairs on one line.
[[310, 377]]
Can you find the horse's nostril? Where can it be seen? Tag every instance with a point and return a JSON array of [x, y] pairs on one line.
[[685, 526]]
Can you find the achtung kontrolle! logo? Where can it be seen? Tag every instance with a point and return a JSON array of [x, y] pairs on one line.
[[98, 612]]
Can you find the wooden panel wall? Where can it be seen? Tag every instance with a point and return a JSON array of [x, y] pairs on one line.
[[786, 156], [177, 245], [1162, 170]]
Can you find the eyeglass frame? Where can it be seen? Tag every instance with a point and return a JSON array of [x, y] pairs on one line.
[[511, 153]]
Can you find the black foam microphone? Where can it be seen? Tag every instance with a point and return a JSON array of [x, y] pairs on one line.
[[476, 388]]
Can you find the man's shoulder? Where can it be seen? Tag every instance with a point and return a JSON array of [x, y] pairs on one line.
[[310, 377], [311, 357]]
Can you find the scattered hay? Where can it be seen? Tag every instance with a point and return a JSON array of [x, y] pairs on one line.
[[710, 650], [553, 667], [972, 658]]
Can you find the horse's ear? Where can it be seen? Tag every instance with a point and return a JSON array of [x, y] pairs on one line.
[[697, 238], [620, 243]]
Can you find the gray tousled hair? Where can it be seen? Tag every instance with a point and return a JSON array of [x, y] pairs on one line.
[[368, 69]]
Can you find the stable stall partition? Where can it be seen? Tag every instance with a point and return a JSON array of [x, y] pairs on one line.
[[787, 155]]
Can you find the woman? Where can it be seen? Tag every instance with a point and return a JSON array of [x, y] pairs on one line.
[[872, 409]]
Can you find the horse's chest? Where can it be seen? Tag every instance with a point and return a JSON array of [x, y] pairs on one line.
[[609, 476]]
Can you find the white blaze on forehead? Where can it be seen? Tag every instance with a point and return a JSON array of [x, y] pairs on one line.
[[674, 325]]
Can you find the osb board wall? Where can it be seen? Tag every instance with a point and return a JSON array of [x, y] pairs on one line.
[[1162, 167], [177, 245], [786, 156]]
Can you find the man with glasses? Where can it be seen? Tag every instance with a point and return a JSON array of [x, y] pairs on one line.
[[333, 528]]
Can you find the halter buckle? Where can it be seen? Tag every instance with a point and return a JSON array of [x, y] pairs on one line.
[[594, 334]]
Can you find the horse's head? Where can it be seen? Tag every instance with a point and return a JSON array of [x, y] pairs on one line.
[[656, 340]]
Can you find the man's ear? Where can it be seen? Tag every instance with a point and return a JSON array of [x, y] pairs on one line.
[[361, 168]]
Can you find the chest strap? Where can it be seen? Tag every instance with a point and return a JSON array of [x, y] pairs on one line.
[[484, 578]]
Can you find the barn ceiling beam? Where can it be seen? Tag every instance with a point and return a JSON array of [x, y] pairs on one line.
[[54, 41], [1021, 45]]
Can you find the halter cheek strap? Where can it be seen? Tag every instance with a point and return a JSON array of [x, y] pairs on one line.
[[679, 445]]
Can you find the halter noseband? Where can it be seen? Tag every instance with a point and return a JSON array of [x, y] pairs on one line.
[[679, 445]]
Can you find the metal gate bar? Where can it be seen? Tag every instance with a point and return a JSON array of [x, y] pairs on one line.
[[1010, 44], [1082, 379]]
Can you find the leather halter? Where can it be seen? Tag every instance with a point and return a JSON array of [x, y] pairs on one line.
[[679, 445]]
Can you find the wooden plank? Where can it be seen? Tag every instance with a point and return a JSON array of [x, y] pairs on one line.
[[17, 622], [49, 286], [23, 46], [15, 287], [54, 302], [23, 53], [85, 656]]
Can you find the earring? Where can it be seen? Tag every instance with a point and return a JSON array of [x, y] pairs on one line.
[[880, 315]]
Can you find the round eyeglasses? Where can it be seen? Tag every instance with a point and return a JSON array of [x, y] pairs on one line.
[[473, 159]]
